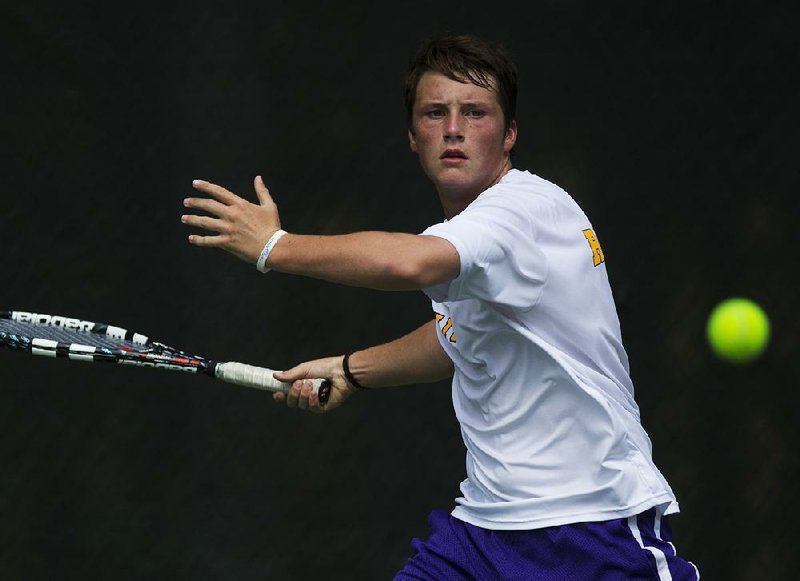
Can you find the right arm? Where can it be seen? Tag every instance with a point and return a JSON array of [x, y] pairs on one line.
[[414, 358]]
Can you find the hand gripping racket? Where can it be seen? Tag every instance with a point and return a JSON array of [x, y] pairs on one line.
[[78, 340]]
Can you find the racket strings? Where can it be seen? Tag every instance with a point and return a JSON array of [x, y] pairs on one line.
[[15, 332], [94, 342]]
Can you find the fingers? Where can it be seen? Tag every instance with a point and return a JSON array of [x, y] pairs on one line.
[[206, 205], [262, 192], [242, 227], [213, 224], [291, 375], [208, 241], [301, 396], [215, 191], [205, 222], [301, 391], [293, 395]]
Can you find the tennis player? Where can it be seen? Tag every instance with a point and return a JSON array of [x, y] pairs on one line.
[[560, 480]]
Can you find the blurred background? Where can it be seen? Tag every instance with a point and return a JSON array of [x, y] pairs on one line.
[[675, 126]]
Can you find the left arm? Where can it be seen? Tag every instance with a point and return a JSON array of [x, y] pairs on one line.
[[380, 260]]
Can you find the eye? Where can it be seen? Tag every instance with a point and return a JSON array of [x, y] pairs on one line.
[[434, 113], [476, 113]]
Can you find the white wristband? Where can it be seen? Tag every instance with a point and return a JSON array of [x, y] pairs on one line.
[[262, 259]]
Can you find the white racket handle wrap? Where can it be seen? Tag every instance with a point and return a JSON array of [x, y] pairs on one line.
[[261, 378]]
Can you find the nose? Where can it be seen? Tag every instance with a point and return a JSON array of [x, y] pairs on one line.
[[453, 130]]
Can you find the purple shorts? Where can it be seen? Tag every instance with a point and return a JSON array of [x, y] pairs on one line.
[[632, 548]]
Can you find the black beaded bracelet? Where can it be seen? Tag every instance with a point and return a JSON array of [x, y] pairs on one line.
[[348, 374]]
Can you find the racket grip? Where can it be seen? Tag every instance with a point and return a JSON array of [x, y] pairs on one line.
[[261, 378]]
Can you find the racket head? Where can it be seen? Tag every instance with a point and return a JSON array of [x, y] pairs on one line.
[[77, 339], [66, 330], [81, 340]]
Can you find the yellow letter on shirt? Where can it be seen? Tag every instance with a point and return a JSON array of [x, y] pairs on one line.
[[597, 252]]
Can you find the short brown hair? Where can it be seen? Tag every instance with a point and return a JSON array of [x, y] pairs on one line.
[[466, 59]]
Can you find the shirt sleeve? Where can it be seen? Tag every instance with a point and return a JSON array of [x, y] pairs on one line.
[[500, 261]]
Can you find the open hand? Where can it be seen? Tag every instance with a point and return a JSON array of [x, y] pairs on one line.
[[241, 227]]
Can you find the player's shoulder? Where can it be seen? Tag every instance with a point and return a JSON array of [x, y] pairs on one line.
[[524, 189]]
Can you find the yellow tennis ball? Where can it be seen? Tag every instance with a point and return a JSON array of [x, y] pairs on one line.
[[738, 330]]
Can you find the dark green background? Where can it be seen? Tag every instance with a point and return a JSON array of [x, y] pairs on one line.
[[674, 126]]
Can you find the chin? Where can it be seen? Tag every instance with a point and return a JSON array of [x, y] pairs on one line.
[[452, 180]]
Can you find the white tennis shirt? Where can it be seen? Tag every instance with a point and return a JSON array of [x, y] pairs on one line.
[[541, 387]]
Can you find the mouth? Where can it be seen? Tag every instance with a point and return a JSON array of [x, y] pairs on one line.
[[453, 156]]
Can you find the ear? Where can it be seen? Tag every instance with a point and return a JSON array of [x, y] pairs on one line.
[[510, 138], [412, 140]]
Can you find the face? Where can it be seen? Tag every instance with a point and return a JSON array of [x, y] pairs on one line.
[[458, 132]]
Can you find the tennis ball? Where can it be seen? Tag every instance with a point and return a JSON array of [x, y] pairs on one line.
[[738, 330]]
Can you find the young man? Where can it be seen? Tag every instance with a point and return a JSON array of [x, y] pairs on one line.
[[560, 481]]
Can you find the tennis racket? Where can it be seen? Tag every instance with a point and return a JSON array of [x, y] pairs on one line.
[[78, 340]]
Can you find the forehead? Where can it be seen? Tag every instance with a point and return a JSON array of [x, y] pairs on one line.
[[434, 86]]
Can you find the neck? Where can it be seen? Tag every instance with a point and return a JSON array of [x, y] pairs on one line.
[[453, 203]]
